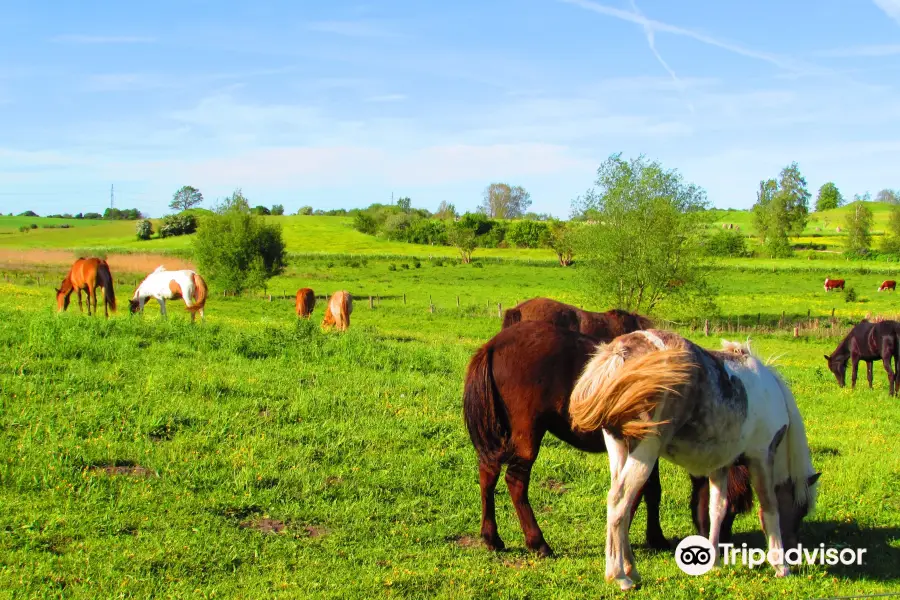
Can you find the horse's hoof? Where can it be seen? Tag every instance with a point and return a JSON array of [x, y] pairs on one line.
[[659, 542], [626, 583], [494, 544], [782, 571], [544, 550]]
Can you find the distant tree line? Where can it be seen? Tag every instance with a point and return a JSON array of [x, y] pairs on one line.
[[110, 214]]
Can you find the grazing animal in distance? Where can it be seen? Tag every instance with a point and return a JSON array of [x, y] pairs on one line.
[[603, 326], [833, 284], [516, 390], [867, 342], [87, 274], [306, 301], [656, 394], [164, 285], [337, 311], [887, 284]]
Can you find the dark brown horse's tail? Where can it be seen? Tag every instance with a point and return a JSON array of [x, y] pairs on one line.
[[106, 282], [511, 317], [199, 296], [485, 417]]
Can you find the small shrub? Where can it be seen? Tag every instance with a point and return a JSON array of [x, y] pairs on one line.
[[392, 267], [180, 224], [144, 229], [478, 265], [438, 262], [33, 226], [417, 264], [405, 265], [850, 295]]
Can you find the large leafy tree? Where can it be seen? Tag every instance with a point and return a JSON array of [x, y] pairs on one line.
[[501, 201], [643, 245], [781, 209], [859, 225], [828, 197], [185, 198]]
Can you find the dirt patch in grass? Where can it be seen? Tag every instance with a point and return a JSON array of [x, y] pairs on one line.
[[264, 525], [315, 531], [554, 486], [132, 470], [465, 541]]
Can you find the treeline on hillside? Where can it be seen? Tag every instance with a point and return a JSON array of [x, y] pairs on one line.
[[110, 214], [402, 223]]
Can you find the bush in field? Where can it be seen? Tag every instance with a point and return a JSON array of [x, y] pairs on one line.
[[561, 240], [305, 210], [726, 242], [365, 223], [181, 224], [144, 229], [850, 295], [238, 249], [528, 234]]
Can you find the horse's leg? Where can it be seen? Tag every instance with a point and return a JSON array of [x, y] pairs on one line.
[[854, 358], [652, 495], [700, 505], [869, 365], [518, 476], [626, 482], [80, 307], [761, 477], [718, 499], [92, 293], [162, 308], [488, 474], [887, 353]]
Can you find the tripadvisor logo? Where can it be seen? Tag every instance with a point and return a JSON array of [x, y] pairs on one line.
[[695, 555]]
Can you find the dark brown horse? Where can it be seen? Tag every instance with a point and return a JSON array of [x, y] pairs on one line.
[[869, 342], [517, 389], [87, 274], [603, 326]]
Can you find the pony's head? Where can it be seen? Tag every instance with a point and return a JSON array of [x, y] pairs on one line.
[[838, 366], [62, 300], [792, 509], [134, 305]]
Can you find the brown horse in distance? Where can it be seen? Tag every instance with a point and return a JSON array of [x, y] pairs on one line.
[[603, 326], [517, 389], [87, 274], [306, 301], [868, 342]]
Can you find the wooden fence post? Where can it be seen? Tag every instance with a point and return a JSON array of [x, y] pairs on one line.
[[404, 297], [370, 302], [706, 327], [796, 331], [457, 302], [499, 311]]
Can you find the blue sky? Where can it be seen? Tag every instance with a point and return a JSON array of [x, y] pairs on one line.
[[340, 104]]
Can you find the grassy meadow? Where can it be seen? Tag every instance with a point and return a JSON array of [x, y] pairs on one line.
[[257, 456]]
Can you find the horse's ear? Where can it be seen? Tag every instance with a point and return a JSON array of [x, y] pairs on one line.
[[812, 479], [827, 357]]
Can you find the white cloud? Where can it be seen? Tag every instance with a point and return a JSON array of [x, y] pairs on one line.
[[104, 39], [890, 7], [356, 29], [862, 51]]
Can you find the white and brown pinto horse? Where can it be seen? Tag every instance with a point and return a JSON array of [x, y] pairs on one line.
[[656, 394], [171, 285]]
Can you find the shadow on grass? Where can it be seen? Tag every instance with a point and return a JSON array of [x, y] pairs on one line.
[[882, 545]]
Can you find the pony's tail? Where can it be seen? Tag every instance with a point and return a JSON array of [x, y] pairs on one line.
[[109, 294], [800, 465], [199, 295], [485, 418], [614, 394], [511, 317]]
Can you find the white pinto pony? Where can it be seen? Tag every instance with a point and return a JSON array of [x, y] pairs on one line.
[[656, 394], [171, 285]]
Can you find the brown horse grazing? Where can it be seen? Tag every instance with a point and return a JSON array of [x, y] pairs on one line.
[[306, 300], [868, 342], [337, 313], [88, 274], [601, 326], [517, 389]]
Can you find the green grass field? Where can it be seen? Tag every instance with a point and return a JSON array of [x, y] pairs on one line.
[[257, 456]]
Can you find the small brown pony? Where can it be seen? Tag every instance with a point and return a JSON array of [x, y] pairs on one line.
[[517, 389], [87, 274], [306, 301], [337, 313], [603, 326]]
